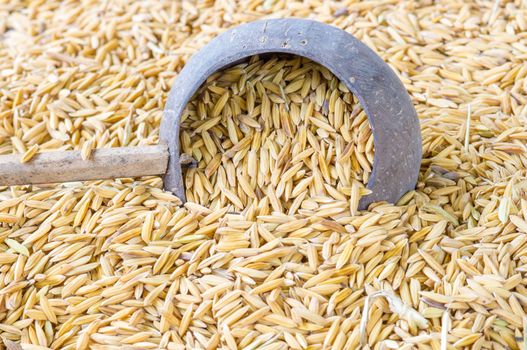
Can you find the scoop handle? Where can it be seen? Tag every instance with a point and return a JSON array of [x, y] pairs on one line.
[[104, 163]]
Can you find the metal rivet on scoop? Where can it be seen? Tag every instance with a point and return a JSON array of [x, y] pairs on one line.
[[396, 131]]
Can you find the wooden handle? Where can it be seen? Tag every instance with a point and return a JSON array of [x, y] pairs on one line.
[[105, 163]]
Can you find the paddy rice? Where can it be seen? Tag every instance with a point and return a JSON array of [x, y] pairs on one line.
[[108, 264], [282, 128]]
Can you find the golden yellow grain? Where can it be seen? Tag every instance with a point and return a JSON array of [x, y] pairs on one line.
[[284, 258], [86, 150], [228, 144], [29, 154]]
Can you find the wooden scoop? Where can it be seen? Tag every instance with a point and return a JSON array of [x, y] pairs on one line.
[[394, 123]]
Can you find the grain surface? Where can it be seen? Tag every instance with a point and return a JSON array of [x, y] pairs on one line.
[[281, 129], [113, 264]]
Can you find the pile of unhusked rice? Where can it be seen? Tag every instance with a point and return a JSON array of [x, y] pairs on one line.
[[120, 264], [283, 130]]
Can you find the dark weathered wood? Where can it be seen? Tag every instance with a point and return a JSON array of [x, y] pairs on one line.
[[396, 131], [105, 163]]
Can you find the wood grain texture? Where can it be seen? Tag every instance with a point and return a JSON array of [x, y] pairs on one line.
[[105, 163]]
